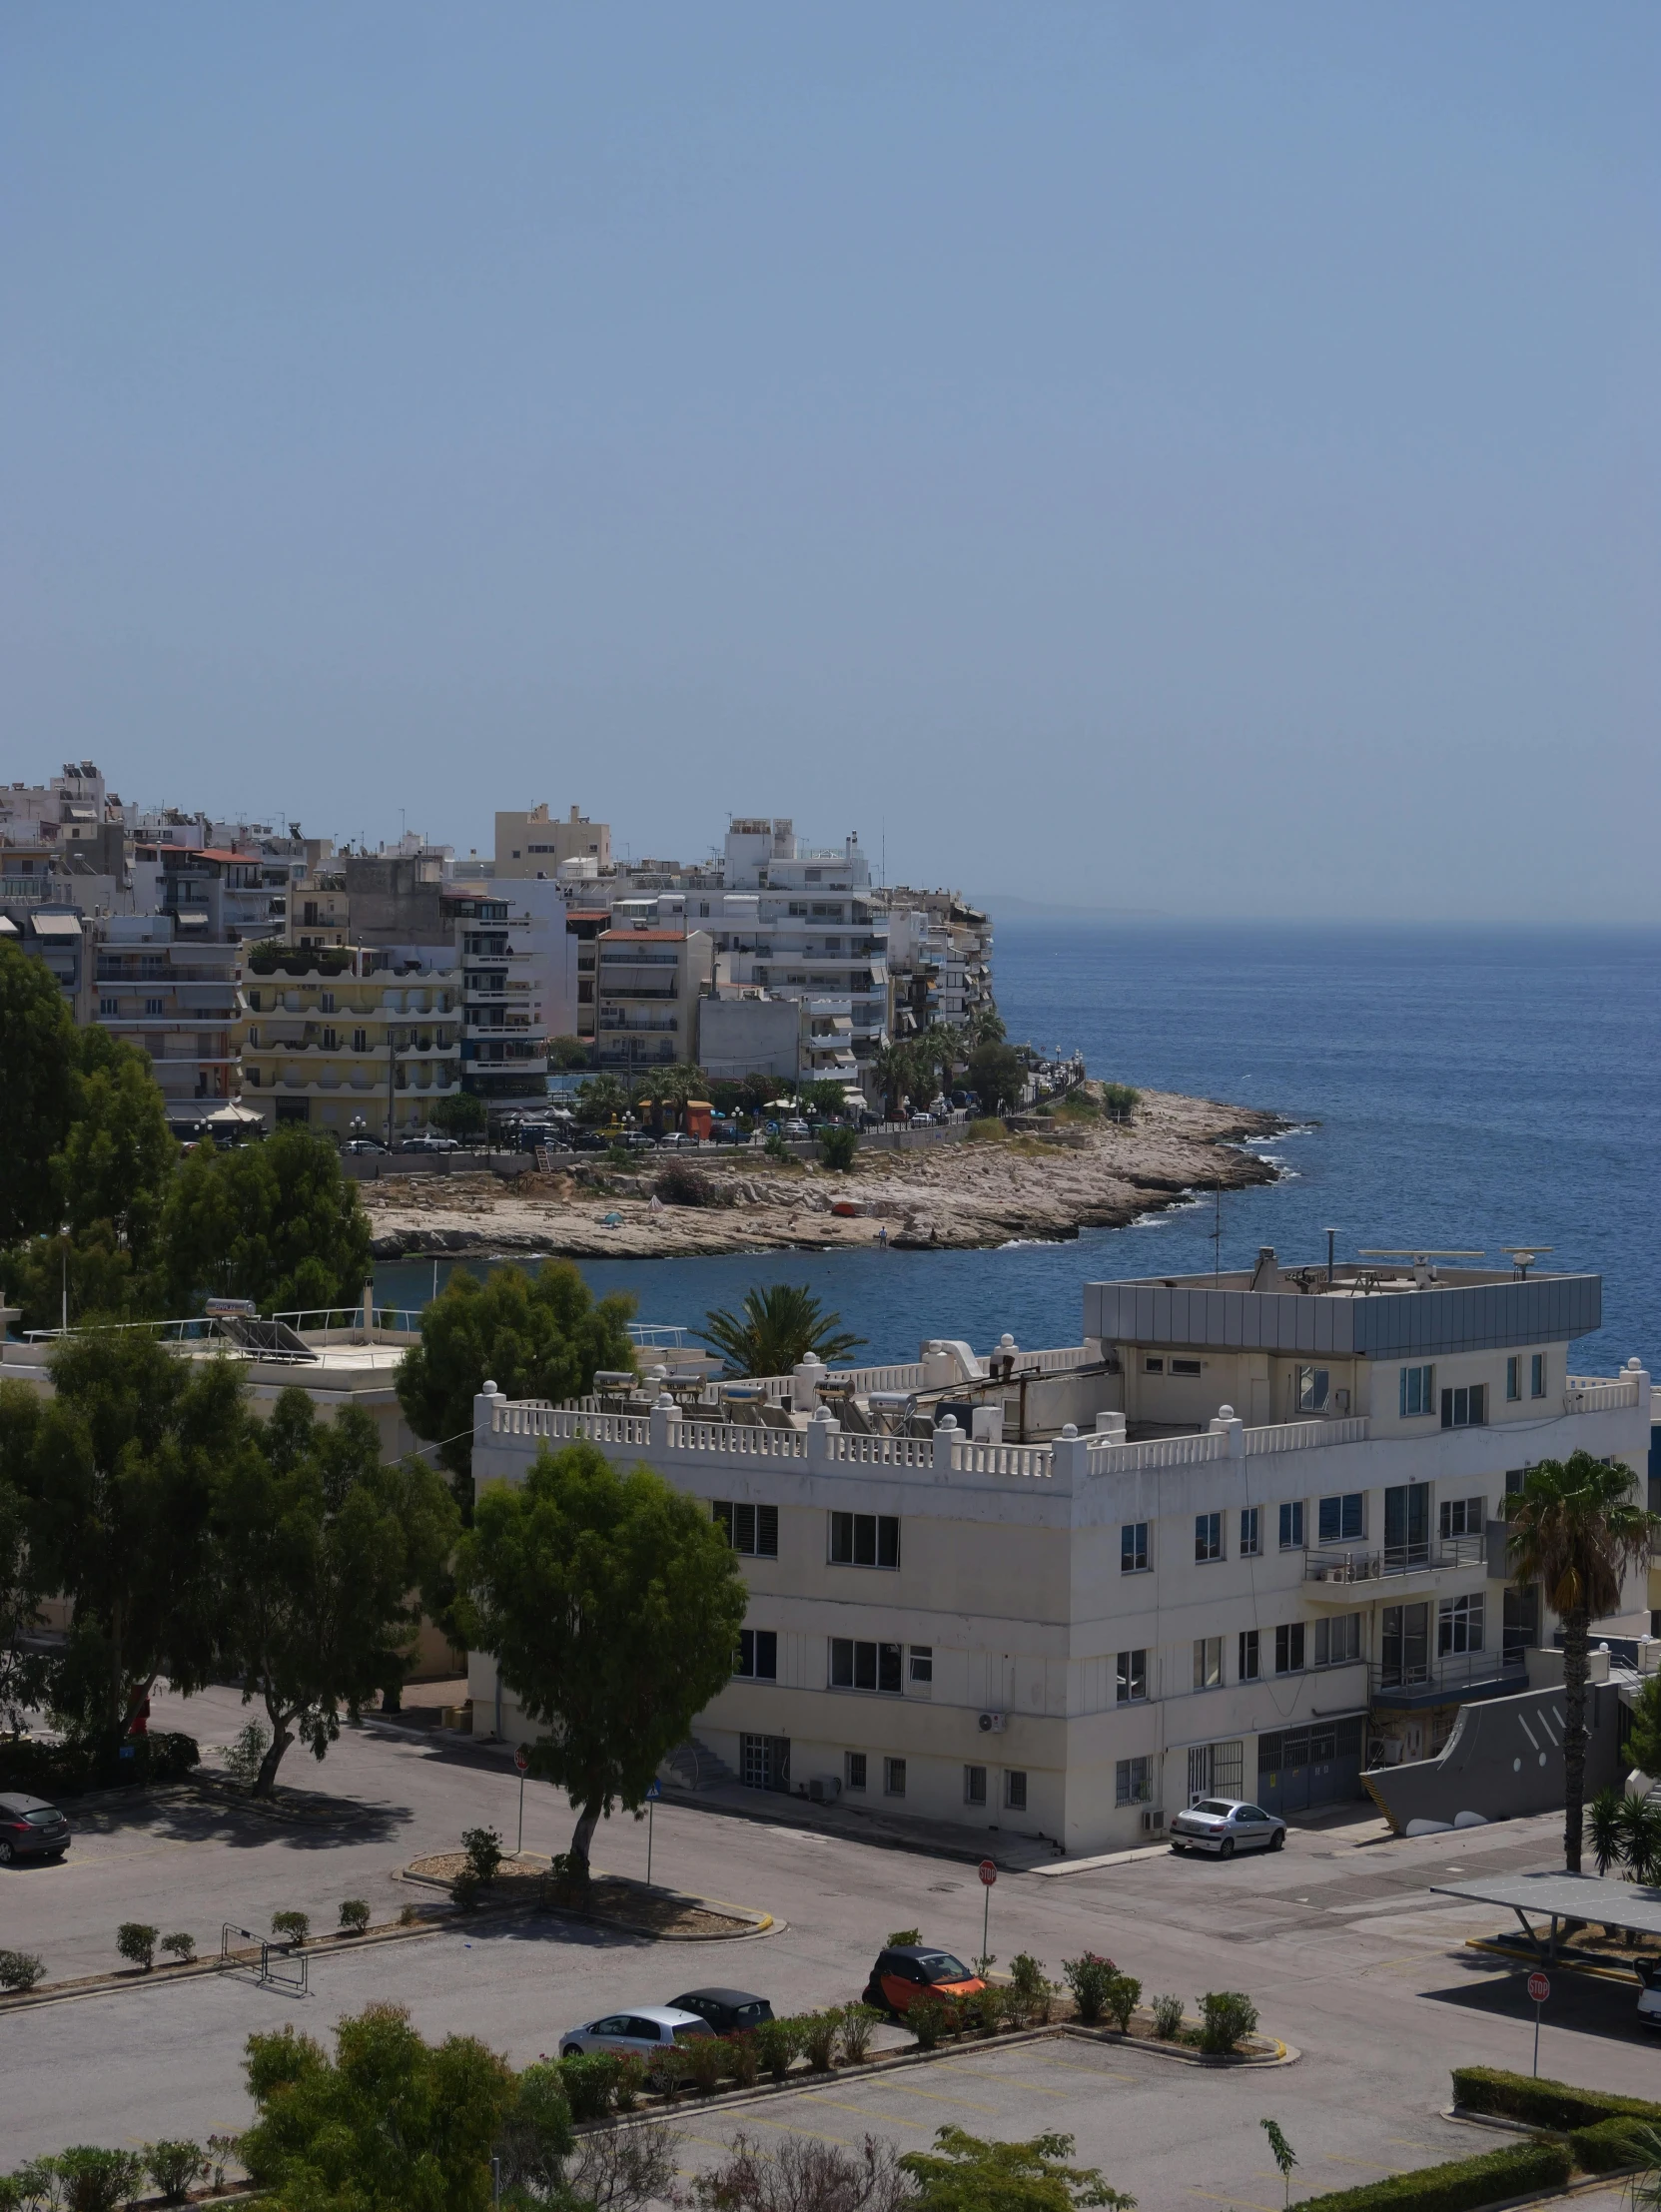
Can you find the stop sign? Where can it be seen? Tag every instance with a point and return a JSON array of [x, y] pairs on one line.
[[989, 1873], [521, 1760], [1539, 1988]]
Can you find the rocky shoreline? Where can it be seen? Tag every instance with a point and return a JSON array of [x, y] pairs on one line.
[[1043, 1183]]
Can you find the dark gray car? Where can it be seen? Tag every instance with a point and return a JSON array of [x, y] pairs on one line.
[[31, 1828]]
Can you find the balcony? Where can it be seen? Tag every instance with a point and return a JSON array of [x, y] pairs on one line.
[[1448, 1676], [1340, 1568]]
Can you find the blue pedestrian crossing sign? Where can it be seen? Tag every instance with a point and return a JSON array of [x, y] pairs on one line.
[[656, 1790]]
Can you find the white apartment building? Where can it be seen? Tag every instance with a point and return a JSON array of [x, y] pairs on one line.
[[940, 958], [1240, 1538]]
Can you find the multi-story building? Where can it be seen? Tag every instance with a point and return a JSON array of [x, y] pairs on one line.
[[174, 992], [647, 986], [940, 958], [533, 845], [349, 1040], [821, 932], [1246, 1536]]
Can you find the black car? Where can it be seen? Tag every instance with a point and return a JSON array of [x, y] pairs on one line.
[[728, 2012], [31, 1828]]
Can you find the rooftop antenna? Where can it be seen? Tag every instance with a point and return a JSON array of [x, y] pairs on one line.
[[1523, 1256], [1424, 1272], [1332, 1235]]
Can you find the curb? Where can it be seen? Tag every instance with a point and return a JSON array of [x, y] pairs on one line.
[[761, 1923], [886, 2063], [1594, 1970]]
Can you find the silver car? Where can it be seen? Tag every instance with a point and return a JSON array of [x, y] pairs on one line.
[[644, 2031], [1224, 1826]]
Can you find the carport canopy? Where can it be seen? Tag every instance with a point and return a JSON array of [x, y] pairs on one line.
[[1561, 1898]]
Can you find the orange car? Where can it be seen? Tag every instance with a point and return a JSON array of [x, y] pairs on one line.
[[906, 1972]]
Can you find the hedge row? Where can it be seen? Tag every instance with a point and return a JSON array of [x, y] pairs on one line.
[[1614, 2144], [67, 1769], [1543, 2103], [1458, 2186]]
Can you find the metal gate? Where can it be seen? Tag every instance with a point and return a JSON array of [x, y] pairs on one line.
[[764, 1762], [1299, 1768]]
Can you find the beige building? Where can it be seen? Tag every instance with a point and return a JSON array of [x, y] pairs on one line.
[[354, 1050], [1062, 1593], [534, 845], [648, 984]]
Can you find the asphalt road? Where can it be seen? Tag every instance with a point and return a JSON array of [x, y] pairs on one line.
[[1337, 1939]]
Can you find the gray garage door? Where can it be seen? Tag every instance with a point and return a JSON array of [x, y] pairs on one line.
[[1299, 1768]]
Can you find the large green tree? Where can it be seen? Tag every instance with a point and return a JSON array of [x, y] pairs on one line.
[[22, 1671], [775, 1329], [967, 2173], [389, 2124], [321, 1552], [612, 1604], [277, 1223], [124, 1467], [1578, 1528], [38, 1060], [538, 1336], [995, 1076]]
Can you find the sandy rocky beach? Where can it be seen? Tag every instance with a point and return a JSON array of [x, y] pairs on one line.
[[962, 1195]]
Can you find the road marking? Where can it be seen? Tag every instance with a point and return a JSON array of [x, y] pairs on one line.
[[1245, 2204], [933, 2096]]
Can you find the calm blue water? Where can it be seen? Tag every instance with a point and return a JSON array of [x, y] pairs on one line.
[[1457, 1088]]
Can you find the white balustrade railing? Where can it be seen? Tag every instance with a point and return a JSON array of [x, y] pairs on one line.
[[1303, 1436], [879, 1451], [1110, 1456], [737, 1441], [1597, 1394], [1002, 1459], [562, 1423]]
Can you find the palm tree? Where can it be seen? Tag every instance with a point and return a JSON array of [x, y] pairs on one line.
[[601, 1098], [775, 1331], [890, 1065], [1578, 1529]]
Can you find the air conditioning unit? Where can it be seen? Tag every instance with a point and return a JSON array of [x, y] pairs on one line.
[[992, 1723], [1153, 1819], [825, 1788]]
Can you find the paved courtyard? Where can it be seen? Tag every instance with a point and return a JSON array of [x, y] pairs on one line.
[[1337, 1940]]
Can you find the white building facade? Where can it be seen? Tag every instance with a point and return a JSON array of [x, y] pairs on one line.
[[1060, 1593]]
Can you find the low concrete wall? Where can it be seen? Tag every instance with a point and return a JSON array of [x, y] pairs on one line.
[[1504, 1759]]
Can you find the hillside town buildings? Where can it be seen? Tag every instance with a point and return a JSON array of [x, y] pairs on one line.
[[772, 957]]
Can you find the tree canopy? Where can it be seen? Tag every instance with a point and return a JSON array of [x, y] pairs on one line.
[[320, 1546], [612, 1603], [39, 1054], [966, 2173], [1578, 1528], [538, 1336], [462, 1114], [775, 1329], [277, 1223], [995, 1076], [122, 1468], [22, 1671]]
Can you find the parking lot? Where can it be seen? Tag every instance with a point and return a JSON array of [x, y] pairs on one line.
[[1337, 1939]]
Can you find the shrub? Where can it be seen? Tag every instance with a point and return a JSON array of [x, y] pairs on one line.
[[1521, 2169], [1616, 2144], [777, 1148], [1227, 2016], [136, 1941], [837, 1148], [20, 1970], [172, 2167], [483, 1849], [777, 2042], [181, 1948], [1087, 1978], [706, 2062], [1119, 1101], [222, 2150], [91, 2180], [998, 2008], [983, 1132], [410, 1916], [671, 2068], [902, 1936], [465, 1889], [589, 2084], [743, 2060], [927, 2022], [629, 2081], [858, 2025], [243, 1756], [821, 2032], [170, 1754], [293, 1928], [354, 1915], [1029, 1992], [1167, 2019], [1542, 2103], [1120, 1997], [680, 1184]]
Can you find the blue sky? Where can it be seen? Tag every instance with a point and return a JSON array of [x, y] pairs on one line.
[[1173, 456]]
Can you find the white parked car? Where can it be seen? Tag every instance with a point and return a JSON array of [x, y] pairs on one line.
[[645, 2031], [1225, 1826]]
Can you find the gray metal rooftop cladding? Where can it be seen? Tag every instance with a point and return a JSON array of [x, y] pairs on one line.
[[1387, 1324]]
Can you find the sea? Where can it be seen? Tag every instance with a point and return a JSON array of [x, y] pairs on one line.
[[1461, 1089]]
